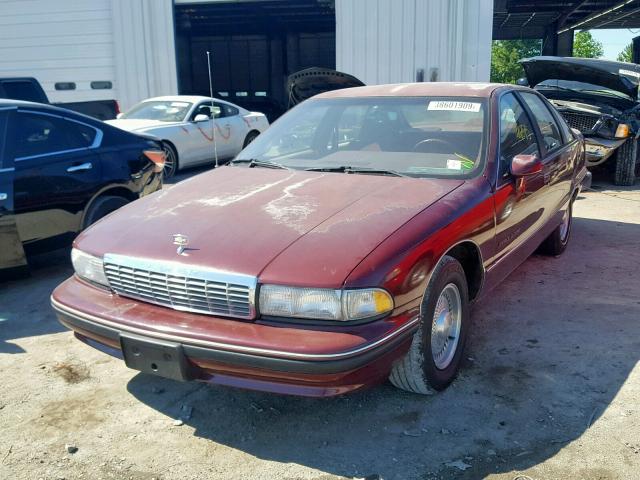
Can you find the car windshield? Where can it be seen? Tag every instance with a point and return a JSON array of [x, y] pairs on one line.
[[163, 111], [581, 87], [414, 136]]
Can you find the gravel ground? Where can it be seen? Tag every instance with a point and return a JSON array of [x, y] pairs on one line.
[[549, 390]]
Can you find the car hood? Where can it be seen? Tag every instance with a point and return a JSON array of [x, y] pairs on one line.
[[312, 81], [305, 228], [135, 125], [619, 76]]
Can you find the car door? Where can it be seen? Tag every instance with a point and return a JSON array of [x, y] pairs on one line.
[[236, 126], [56, 172], [517, 201], [559, 156], [11, 252], [215, 129]]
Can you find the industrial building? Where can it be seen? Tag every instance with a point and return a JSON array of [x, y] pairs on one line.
[[133, 49]]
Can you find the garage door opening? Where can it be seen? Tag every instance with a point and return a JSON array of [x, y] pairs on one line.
[[254, 45]]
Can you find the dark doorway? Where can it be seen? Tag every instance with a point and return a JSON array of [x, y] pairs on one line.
[[254, 46]]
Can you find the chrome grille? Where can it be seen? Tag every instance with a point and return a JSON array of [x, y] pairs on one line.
[[182, 287], [584, 123]]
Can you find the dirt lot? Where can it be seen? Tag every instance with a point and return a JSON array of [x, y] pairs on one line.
[[550, 389]]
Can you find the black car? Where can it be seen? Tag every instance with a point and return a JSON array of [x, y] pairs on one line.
[[60, 172], [600, 99]]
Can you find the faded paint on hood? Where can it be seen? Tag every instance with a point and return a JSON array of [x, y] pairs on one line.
[[135, 125], [306, 228]]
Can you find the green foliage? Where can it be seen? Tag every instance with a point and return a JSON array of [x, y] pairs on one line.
[[585, 46], [626, 55], [505, 55]]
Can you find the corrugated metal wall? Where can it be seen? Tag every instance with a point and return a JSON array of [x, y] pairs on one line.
[[127, 42], [144, 49], [388, 41], [59, 41]]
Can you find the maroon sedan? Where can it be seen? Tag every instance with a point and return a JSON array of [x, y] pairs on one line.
[[344, 246]]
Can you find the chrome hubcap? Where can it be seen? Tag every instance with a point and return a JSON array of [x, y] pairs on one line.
[[446, 325]]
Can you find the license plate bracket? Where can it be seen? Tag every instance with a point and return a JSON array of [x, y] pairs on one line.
[[156, 357]]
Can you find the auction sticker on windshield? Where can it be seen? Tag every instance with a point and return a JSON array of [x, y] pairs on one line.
[[453, 106]]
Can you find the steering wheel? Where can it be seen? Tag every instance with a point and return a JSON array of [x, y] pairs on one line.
[[434, 142]]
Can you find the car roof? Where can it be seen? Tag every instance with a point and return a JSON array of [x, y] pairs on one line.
[[446, 89], [10, 102], [179, 98]]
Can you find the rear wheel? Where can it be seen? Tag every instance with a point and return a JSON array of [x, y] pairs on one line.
[[101, 207], [626, 157], [434, 358], [557, 242], [251, 136], [170, 161]]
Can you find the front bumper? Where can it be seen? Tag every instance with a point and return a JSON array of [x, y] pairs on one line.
[[317, 369], [598, 150]]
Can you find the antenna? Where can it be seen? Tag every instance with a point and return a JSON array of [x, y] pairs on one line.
[[213, 116]]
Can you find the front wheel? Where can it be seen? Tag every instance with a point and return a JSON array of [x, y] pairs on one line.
[[436, 351], [626, 163]]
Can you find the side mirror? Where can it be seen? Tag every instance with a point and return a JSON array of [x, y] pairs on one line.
[[522, 82], [119, 115], [523, 165], [201, 117]]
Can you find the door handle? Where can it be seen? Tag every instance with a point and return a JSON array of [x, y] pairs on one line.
[[80, 168], [3, 196]]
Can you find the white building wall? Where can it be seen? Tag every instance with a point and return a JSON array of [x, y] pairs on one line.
[[127, 42], [388, 41], [144, 49]]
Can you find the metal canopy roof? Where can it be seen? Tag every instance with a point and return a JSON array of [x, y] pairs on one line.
[[513, 19]]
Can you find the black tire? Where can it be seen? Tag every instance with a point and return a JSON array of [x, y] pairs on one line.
[[101, 207], [557, 242], [171, 164], [417, 371], [626, 157], [251, 136]]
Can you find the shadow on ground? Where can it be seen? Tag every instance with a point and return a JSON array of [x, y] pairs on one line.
[[21, 312], [551, 348]]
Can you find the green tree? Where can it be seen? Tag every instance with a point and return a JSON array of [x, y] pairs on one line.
[[505, 55], [585, 46], [626, 55]]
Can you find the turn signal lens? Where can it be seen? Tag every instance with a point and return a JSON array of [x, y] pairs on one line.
[[622, 131], [324, 303], [158, 157], [360, 304]]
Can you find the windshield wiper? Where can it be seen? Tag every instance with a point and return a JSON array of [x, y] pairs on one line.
[[349, 169], [254, 162]]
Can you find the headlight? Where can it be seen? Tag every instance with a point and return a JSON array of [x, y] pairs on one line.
[[323, 303], [88, 267]]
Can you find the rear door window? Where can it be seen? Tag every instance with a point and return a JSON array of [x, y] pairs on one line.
[[517, 136], [34, 134], [21, 90], [547, 124]]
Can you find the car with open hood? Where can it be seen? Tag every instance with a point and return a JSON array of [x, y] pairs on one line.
[[342, 247], [600, 99]]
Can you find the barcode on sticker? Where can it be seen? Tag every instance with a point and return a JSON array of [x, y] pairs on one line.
[[453, 106]]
